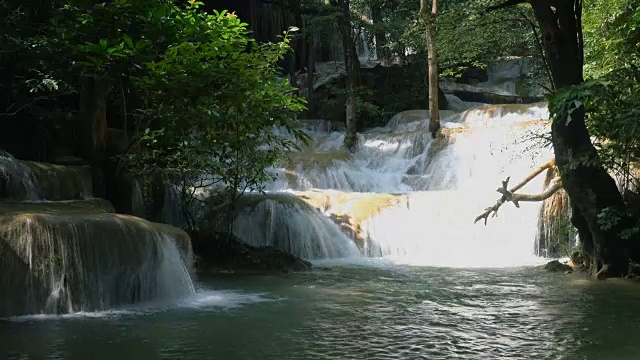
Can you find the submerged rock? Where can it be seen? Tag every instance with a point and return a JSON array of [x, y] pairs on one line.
[[557, 266], [225, 253]]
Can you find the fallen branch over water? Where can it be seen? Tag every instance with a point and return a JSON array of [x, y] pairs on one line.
[[510, 195]]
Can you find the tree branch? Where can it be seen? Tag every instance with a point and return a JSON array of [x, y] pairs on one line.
[[510, 195], [538, 40], [505, 4], [8, 112]]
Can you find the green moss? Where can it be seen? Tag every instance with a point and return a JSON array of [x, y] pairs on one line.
[[58, 182], [71, 207]]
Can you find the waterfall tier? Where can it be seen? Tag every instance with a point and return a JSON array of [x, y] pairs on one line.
[[29, 180], [63, 257], [62, 251], [405, 195], [289, 223]]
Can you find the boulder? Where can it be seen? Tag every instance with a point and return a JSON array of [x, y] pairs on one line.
[[557, 266], [488, 93], [218, 252]]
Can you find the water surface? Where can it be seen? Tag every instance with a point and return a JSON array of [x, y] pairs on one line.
[[365, 311]]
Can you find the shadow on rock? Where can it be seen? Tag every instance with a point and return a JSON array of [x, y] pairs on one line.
[[225, 253]]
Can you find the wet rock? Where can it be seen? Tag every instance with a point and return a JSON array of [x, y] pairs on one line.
[[225, 253], [557, 266], [576, 260], [634, 271], [69, 161], [486, 93]]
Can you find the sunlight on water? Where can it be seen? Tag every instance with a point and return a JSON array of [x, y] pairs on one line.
[[445, 184]]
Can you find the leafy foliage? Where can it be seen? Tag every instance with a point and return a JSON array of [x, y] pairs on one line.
[[214, 104], [201, 97], [611, 93], [611, 98], [466, 35]]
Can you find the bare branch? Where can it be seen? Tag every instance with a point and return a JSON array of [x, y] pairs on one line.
[[12, 113], [510, 195], [549, 164]]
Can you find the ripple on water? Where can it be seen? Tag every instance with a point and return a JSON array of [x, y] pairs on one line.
[[445, 314], [362, 312]]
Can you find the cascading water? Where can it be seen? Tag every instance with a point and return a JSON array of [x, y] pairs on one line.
[[17, 181], [443, 183], [292, 225], [64, 258], [74, 254]]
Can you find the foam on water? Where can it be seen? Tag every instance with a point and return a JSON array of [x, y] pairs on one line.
[[213, 300]]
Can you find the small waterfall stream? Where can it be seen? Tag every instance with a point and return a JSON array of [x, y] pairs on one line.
[[405, 196]]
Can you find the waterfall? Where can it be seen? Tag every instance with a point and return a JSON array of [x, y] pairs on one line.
[[17, 181], [405, 196], [62, 251], [30, 181], [62, 258], [290, 224]]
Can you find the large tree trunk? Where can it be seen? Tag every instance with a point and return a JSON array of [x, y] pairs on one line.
[[590, 188], [352, 68], [429, 18]]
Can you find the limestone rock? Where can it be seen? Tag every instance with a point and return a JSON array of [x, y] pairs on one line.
[[557, 266], [30, 180]]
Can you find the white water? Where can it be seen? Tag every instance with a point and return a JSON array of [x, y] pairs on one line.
[[65, 257], [444, 189], [17, 181], [293, 226], [63, 263], [204, 299]]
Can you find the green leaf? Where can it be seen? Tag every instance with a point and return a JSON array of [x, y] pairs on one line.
[[128, 41]]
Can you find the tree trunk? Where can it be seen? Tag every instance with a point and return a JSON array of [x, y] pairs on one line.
[[429, 17], [381, 37], [589, 187], [310, 69], [93, 118], [352, 68], [93, 125], [292, 64]]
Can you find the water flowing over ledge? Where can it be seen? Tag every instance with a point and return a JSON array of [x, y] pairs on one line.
[[59, 261], [64, 252], [406, 196]]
